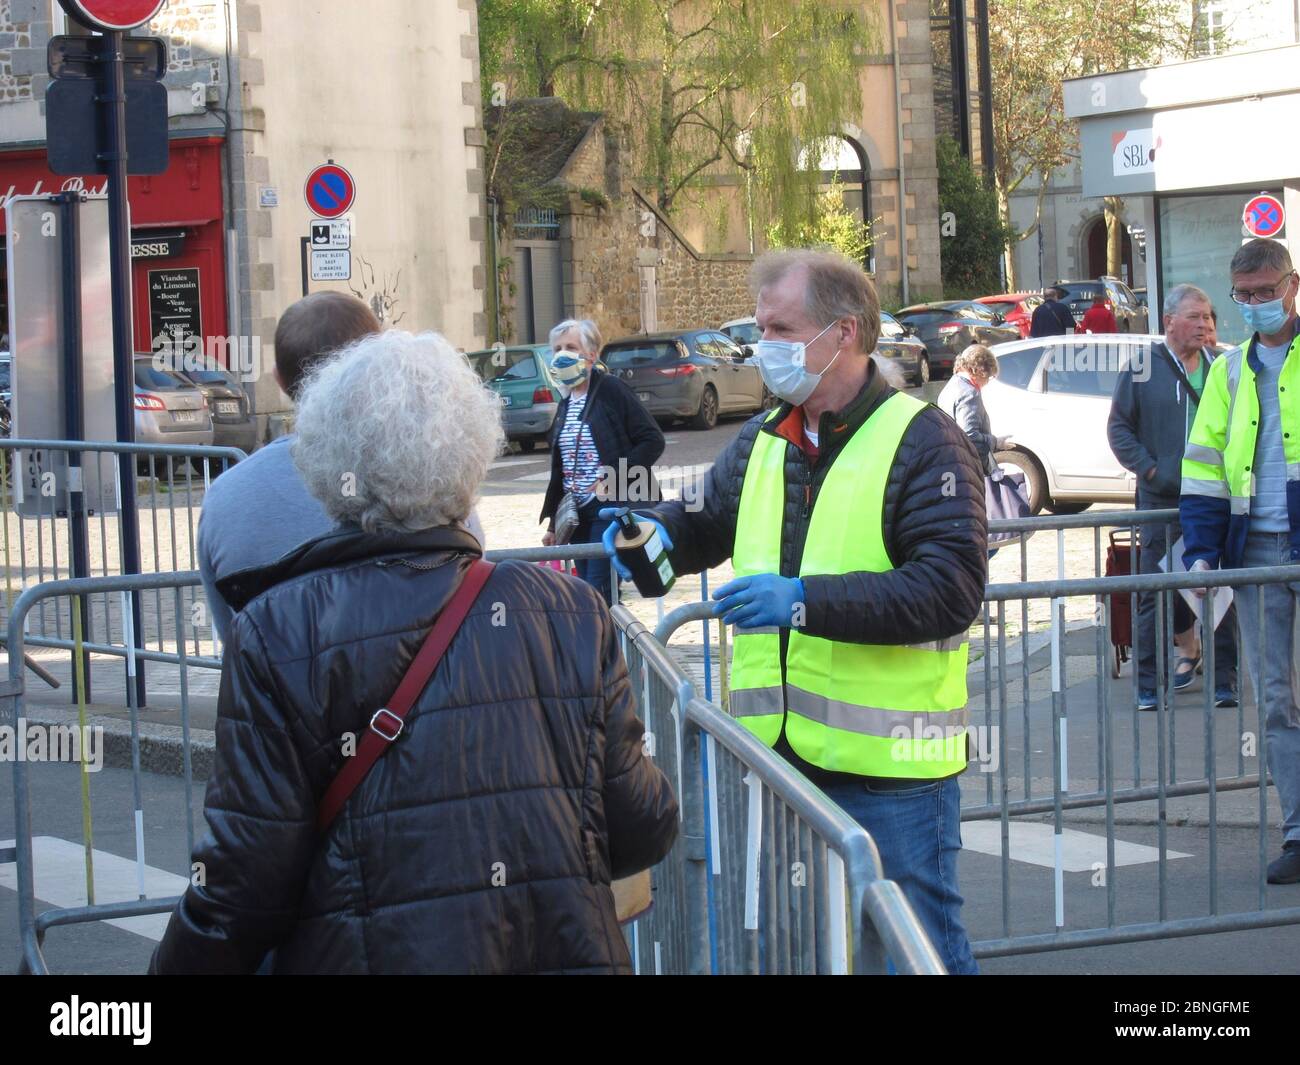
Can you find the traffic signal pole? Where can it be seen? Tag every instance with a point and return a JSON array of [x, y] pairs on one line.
[[113, 107]]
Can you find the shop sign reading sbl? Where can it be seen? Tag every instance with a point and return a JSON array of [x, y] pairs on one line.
[[1134, 152]]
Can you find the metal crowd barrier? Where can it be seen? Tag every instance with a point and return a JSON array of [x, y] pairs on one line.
[[1040, 766], [37, 512], [767, 875], [13, 712]]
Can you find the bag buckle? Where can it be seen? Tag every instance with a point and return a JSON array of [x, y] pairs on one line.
[[384, 733]]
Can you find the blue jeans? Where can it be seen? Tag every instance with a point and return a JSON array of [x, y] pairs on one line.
[[917, 831], [1281, 688], [590, 530]]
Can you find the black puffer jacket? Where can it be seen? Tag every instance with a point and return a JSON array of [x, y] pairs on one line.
[[485, 839], [934, 526]]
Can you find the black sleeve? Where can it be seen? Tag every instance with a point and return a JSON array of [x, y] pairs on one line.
[[644, 432], [261, 809], [1121, 428], [938, 544], [640, 809]]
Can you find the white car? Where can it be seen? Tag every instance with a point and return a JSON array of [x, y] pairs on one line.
[[743, 331], [1052, 396]]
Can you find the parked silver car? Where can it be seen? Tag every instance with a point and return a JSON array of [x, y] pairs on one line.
[[695, 374], [169, 408]]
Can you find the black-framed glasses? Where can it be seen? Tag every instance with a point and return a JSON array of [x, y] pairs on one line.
[[1262, 295]]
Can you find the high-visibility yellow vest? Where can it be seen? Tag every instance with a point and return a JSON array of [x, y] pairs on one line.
[[875, 710], [1220, 453]]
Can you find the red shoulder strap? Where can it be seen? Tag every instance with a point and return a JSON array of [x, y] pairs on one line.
[[387, 722]]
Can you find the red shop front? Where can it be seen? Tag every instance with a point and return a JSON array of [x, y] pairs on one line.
[[178, 259]]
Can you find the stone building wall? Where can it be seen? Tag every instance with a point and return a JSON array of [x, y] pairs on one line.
[[916, 71], [15, 35], [604, 249], [193, 29]]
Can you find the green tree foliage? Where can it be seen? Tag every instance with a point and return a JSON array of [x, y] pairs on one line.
[[696, 88], [1038, 44], [832, 226], [972, 233]]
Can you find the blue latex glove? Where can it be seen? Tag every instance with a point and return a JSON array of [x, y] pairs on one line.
[[609, 514], [762, 601]]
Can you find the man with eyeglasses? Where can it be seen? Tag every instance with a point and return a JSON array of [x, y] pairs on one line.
[[1240, 503]]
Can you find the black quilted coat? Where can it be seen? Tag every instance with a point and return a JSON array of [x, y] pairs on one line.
[[484, 841], [934, 527]]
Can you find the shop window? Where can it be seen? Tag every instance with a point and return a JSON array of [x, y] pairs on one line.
[[1198, 236], [1210, 25]]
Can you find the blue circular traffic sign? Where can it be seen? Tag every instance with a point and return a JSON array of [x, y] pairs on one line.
[[330, 191], [1263, 216]]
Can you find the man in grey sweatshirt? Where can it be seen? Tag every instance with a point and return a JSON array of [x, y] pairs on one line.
[[1151, 415], [260, 510]]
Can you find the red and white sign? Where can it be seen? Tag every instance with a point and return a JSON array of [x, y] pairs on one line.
[[330, 191], [1263, 216], [110, 15]]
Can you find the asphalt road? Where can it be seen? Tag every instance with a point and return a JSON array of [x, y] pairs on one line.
[[101, 948]]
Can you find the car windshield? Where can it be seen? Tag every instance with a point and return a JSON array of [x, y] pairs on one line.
[[504, 364], [746, 333], [1083, 293], [1002, 306], [623, 356], [919, 318], [889, 327], [149, 377]]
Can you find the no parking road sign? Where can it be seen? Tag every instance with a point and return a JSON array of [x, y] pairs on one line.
[[1263, 216], [330, 191], [110, 15]]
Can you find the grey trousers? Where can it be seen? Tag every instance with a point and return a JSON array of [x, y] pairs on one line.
[[1155, 544], [1274, 651]]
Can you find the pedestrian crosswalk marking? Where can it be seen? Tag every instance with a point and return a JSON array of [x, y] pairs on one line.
[[1034, 843], [60, 875]]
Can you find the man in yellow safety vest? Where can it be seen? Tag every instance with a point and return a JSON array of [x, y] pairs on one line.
[[1240, 504], [854, 518]]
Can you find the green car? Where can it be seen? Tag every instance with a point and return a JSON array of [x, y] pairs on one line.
[[521, 376]]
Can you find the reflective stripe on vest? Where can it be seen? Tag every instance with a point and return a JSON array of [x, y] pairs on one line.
[[873, 710]]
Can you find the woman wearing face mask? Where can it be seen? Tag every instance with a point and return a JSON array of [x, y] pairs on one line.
[[603, 445]]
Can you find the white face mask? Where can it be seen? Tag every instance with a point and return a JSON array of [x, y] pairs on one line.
[[781, 362]]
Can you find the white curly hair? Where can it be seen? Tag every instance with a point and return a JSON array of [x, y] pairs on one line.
[[396, 433]]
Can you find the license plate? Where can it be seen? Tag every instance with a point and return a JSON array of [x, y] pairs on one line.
[[505, 401], [229, 406], [644, 397], [186, 415]]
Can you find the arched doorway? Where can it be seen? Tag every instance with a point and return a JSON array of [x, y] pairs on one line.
[[843, 160], [1094, 243]]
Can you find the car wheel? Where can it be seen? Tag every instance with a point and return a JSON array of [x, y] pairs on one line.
[[527, 444], [707, 416], [1035, 479], [924, 374], [1068, 506]]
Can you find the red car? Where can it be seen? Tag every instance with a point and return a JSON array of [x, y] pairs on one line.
[[1016, 307]]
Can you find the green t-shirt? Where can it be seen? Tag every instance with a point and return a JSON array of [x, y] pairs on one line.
[[1197, 380]]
